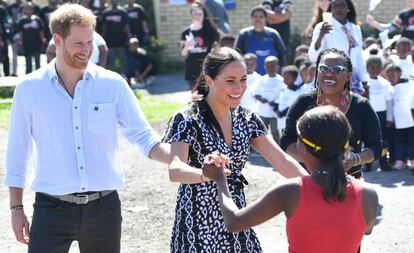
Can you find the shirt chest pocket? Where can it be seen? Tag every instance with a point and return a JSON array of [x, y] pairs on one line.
[[101, 118]]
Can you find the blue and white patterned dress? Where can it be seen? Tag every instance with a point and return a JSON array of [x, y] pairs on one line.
[[199, 225]]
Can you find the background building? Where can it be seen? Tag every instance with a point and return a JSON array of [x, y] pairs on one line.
[[171, 20]]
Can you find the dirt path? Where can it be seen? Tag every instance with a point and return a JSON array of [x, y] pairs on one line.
[[149, 198]]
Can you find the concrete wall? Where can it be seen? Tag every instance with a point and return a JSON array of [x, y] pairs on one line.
[[172, 20]]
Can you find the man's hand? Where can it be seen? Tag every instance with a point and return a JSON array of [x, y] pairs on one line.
[[20, 226]]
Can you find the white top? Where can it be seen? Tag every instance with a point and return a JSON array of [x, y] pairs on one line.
[[307, 87], [298, 80], [285, 100], [76, 139], [269, 88], [379, 93], [402, 103], [97, 41], [406, 65], [248, 101], [337, 39]]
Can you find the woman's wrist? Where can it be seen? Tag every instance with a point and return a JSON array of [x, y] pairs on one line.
[[202, 178], [357, 160]]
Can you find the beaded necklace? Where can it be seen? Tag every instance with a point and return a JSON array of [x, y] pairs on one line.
[[345, 100]]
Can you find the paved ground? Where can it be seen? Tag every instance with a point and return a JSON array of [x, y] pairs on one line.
[[149, 198]]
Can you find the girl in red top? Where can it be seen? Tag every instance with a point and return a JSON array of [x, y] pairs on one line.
[[326, 211]]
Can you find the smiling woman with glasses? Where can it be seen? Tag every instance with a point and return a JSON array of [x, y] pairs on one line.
[[334, 71]]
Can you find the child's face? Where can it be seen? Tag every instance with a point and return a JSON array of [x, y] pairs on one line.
[[304, 74], [133, 47], [250, 65], [271, 68], [393, 76], [374, 69], [289, 79], [403, 49]]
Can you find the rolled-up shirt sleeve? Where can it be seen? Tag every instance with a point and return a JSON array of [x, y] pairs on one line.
[[20, 144], [133, 124], [313, 53]]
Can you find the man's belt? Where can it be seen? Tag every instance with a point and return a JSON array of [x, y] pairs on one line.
[[79, 198]]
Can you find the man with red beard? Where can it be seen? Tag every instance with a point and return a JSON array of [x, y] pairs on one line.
[[71, 110]]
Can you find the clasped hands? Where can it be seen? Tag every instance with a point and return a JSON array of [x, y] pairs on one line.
[[351, 159], [215, 166]]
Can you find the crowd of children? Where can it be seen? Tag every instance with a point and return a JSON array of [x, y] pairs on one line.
[[390, 91], [391, 95], [271, 95]]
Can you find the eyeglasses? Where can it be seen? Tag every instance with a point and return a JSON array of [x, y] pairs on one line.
[[198, 13], [337, 69]]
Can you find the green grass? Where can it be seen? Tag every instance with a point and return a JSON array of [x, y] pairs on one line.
[[5, 106], [156, 110]]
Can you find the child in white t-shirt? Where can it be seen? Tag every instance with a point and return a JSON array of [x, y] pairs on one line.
[[287, 96], [379, 96], [402, 117], [402, 58], [267, 92], [307, 73], [253, 79]]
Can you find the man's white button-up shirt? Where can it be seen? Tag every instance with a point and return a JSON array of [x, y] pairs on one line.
[[76, 138]]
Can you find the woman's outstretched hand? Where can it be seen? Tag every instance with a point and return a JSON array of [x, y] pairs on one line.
[[215, 166]]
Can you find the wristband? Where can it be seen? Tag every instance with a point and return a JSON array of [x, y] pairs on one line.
[[357, 159], [16, 207]]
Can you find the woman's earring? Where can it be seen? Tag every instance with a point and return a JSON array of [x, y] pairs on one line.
[[319, 96]]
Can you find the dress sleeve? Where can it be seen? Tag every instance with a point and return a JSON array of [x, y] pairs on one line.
[[371, 129], [178, 129], [296, 110], [256, 126]]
